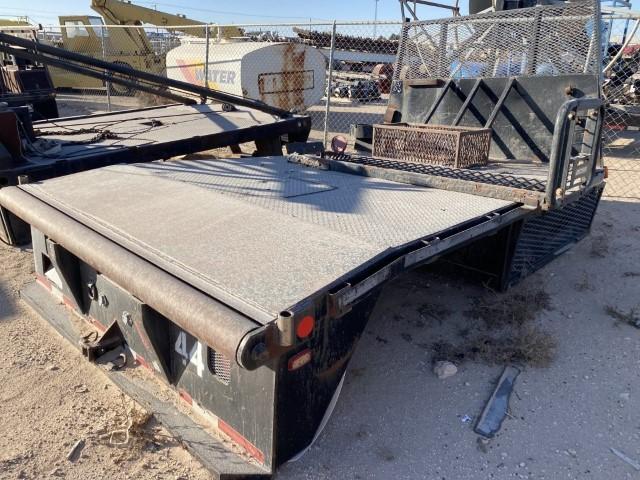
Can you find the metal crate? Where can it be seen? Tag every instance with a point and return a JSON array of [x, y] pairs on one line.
[[457, 147]]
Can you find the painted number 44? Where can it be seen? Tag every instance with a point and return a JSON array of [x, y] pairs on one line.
[[193, 356]]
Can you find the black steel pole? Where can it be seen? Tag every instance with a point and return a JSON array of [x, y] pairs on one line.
[[99, 74], [40, 49]]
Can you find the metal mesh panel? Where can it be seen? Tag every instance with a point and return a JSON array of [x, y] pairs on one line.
[[219, 365], [502, 180], [545, 236], [458, 147], [549, 40]]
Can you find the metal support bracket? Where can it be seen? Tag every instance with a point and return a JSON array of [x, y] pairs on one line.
[[111, 339], [436, 102], [503, 97], [468, 100]]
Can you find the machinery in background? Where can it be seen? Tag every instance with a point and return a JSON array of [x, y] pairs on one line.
[[351, 53], [117, 12], [479, 6], [622, 79], [286, 75], [283, 74], [89, 36], [23, 82], [128, 47]]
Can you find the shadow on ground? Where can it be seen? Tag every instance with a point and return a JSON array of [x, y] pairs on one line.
[[7, 303]]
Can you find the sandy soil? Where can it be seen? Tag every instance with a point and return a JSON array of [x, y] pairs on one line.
[[394, 419]]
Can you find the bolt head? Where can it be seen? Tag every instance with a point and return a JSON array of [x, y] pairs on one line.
[[93, 291], [104, 301], [127, 319], [259, 352]]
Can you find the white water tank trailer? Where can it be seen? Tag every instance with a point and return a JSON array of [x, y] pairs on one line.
[[290, 76]]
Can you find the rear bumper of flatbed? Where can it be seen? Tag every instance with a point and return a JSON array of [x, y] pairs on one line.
[[212, 452]]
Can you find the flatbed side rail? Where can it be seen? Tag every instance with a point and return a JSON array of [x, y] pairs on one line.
[[425, 176], [427, 250], [340, 299]]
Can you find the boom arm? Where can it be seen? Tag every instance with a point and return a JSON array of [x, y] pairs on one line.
[[117, 12]]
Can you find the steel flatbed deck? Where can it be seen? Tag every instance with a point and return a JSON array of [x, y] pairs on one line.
[[130, 129], [262, 235]]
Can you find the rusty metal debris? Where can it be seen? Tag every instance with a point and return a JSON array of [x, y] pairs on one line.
[[497, 407], [76, 450]]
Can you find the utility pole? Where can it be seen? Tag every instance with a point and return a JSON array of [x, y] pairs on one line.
[[375, 17]]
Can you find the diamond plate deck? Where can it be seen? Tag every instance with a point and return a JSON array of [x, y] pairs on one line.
[[260, 234], [142, 127]]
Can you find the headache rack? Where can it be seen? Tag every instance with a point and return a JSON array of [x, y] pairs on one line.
[[574, 167], [505, 105]]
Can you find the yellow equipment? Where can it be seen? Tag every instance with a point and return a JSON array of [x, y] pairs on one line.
[[6, 25], [117, 12], [128, 46], [89, 36]]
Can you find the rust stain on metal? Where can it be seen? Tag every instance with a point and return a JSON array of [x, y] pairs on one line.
[[292, 96], [285, 88]]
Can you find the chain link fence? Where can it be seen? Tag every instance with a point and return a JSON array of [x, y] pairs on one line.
[[338, 73], [621, 88]]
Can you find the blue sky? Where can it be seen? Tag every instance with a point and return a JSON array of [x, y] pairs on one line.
[[230, 11]]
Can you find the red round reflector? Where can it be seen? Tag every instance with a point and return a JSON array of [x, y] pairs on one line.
[[305, 327]]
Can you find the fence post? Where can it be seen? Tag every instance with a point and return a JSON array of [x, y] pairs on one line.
[[329, 89], [104, 58], [207, 37]]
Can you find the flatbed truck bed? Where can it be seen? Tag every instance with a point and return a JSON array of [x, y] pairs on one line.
[[245, 283], [288, 232]]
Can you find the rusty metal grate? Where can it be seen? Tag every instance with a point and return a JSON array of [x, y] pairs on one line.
[[457, 147], [219, 365], [489, 178]]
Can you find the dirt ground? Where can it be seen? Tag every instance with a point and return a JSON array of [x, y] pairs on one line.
[[395, 418]]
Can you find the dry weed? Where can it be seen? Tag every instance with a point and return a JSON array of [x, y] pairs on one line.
[[513, 308], [505, 334]]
